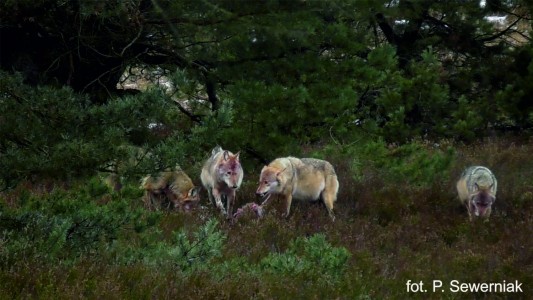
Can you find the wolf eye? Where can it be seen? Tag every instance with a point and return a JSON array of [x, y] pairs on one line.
[[265, 182]]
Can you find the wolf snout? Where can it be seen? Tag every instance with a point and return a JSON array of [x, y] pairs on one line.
[[260, 194]]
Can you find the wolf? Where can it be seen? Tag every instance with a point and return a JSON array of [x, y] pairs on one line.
[[170, 187], [305, 179], [221, 176], [477, 191]]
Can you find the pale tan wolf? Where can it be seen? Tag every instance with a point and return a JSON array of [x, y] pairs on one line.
[[221, 176], [170, 187], [477, 191], [305, 179]]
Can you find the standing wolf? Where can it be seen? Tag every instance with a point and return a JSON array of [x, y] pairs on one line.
[[221, 176], [170, 186], [477, 191], [306, 179]]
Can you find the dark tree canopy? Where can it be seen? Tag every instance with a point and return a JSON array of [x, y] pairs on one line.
[[282, 73]]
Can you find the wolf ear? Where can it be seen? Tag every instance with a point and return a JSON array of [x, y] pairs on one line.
[[226, 155], [237, 155], [277, 174]]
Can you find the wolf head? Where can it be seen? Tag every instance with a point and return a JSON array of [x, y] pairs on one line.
[[230, 170], [481, 201], [189, 200], [269, 182]]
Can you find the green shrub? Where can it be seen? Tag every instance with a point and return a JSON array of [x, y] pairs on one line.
[[416, 163], [180, 252], [66, 225], [312, 256]]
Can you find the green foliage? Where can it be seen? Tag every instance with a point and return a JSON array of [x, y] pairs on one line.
[[413, 163], [63, 226], [311, 257], [513, 101], [375, 87], [410, 103], [50, 132], [418, 163], [389, 229], [41, 127], [180, 252], [266, 78], [468, 120]]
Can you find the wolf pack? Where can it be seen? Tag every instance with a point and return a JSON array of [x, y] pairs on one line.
[[288, 178]]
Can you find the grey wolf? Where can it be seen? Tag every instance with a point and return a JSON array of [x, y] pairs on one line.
[[170, 187], [477, 191], [221, 176], [305, 179]]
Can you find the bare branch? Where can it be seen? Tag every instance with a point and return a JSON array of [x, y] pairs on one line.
[[191, 116], [499, 34], [132, 41]]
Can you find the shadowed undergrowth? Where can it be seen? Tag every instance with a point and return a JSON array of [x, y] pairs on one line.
[[398, 219]]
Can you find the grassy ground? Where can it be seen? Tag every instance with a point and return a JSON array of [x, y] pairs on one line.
[[388, 231]]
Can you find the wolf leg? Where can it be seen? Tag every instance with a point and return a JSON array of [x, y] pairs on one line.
[[329, 194], [210, 197], [218, 201], [288, 199], [470, 217], [230, 199], [328, 201], [171, 198]]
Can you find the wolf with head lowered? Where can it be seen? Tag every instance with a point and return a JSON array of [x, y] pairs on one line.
[[305, 179], [477, 191], [221, 176], [170, 187]]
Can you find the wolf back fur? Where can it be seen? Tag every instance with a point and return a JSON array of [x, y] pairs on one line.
[[170, 186], [305, 179], [221, 176], [477, 189]]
